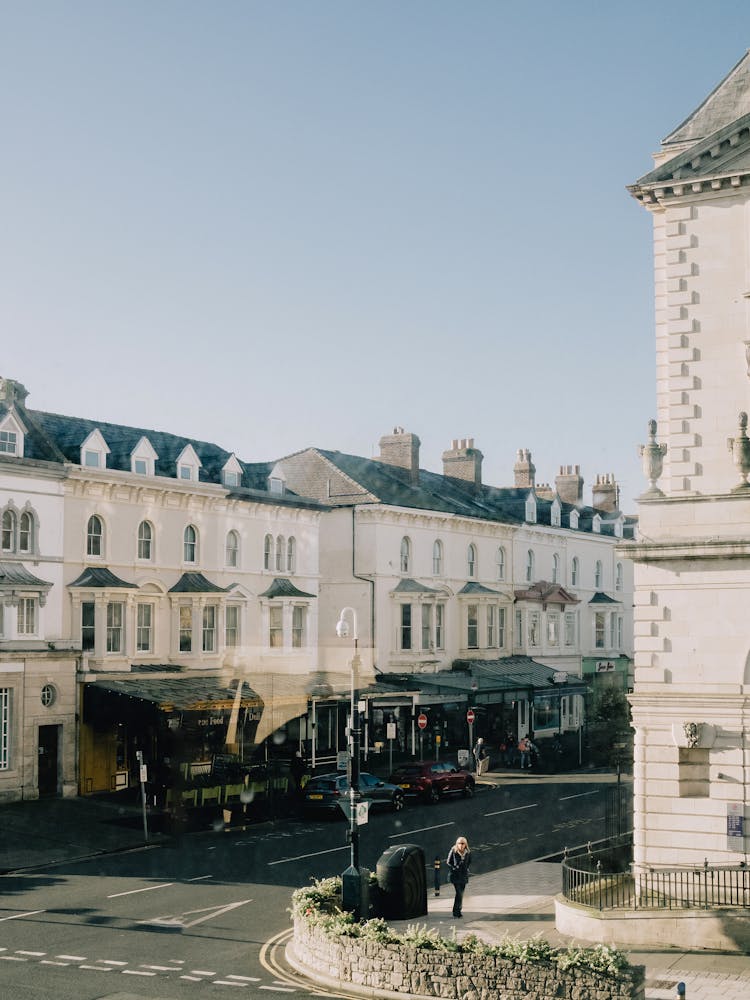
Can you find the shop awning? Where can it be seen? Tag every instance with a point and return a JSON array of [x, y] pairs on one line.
[[481, 681], [181, 694]]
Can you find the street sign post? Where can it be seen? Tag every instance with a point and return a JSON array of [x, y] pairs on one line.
[[422, 720], [422, 723], [470, 720]]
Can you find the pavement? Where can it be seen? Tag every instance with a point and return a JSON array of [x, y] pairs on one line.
[[517, 901]]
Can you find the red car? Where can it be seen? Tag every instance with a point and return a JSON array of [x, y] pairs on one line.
[[431, 779]]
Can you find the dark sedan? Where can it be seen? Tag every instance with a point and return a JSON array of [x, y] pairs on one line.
[[324, 792], [431, 779]]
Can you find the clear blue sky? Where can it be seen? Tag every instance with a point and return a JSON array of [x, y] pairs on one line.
[[280, 224]]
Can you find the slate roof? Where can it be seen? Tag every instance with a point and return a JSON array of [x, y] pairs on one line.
[[727, 102], [281, 587], [477, 588], [101, 577], [183, 695], [479, 678], [409, 586], [16, 575], [600, 598], [196, 583], [548, 593]]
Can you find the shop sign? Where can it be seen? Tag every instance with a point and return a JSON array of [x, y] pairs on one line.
[[604, 666]]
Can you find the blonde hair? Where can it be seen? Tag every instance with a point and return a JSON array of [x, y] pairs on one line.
[[461, 842]]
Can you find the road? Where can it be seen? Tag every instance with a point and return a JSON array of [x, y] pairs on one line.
[[198, 918]]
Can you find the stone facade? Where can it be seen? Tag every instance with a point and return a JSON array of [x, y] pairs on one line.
[[372, 967]]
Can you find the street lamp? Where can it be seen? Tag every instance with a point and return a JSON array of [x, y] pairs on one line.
[[353, 890]]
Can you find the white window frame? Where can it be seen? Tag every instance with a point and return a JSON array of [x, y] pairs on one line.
[[30, 545], [405, 555], [500, 562], [94, 540], [115, 628], [553, 628], [276, 626], [575, 571], [439, 625], [6, 704], [8, 442], [232, 549], [618, 576], [291, 554], [144, 631], [145, 544], [280, 547], [570, 629], [530, 565], [491, 626], [598, 575], [406, 627], [232, 626], [555, 567], [533, 629], [501, 621], [27, 617], [471, 561], [185, 628], [8, 530], [437, 558], [299, 626], [190, 545], [268, 552], [208, 628], [472, 626]]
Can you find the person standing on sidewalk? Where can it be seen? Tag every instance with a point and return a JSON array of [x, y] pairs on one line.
[[524, 748], [459, 859]]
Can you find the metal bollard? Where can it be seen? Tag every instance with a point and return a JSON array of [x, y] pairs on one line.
[[437, 876], [681, 990]]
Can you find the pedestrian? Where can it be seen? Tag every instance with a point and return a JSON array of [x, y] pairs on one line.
[[298, 769], [459, 859], [524, 748], [480, 755]]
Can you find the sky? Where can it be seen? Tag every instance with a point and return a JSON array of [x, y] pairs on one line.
[[274, 225]]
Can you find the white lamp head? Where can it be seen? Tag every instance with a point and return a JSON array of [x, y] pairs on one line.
[[342, 628]]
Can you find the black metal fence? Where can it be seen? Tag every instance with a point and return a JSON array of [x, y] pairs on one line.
[[606, 880]]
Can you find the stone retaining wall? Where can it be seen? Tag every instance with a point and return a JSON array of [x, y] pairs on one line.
[[373, 968]]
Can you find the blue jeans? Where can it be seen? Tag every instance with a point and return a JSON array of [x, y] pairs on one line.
[[524, 759]]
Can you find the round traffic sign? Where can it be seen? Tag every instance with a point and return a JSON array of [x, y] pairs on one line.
[[470, 716], [422, 720]]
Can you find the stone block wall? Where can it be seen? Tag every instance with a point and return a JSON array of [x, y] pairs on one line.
[[397, 968]]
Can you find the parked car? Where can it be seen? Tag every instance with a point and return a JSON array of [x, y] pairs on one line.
[[431, 779], [324, 792]]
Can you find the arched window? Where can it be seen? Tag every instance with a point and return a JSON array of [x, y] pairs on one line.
[[598, 575], [189, 544], [8, 531], [471, 561], [145, 540], [268, 552], [94, 536], [437, 557], [280, 548], [574, 572], [405, 562], [232, 552], [555, 568], [291, 555], [530, 566], [26, 532], [500, 562], [618, 576]]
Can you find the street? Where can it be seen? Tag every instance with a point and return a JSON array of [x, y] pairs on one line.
[[195, 917]]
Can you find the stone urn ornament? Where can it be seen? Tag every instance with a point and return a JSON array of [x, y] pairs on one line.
[[652, 455], [740, 449]]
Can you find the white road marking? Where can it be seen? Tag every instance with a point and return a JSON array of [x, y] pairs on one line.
[[136, 972], [502, 812], [202, 972], [160, 968], [96, 968], [12, 958], [580, 795], [72, 958], [111, 961], [48, 961], [421, 829], [132, 892], [35, 954], [17, 916], [192, 979], [247, 979], [199, 878], [315, 854], [226, 982], [278, 989]]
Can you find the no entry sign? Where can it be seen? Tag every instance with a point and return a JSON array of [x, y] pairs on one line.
[[421, 720], [470, 716]]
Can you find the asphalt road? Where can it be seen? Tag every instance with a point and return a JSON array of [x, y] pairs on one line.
[[198, 918]]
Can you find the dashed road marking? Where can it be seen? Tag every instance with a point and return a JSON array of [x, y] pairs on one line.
[[132, 892], [17, 916]]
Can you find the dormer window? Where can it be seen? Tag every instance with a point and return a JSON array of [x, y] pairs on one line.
[[11, 436], [275, 485], [8, 443], [142, 458], [188, 464], [92, 459], [531, 508], [94, 451], [555, 513], [619, 524], [596, 524], [232, 478], [574, 519], [231, 474]]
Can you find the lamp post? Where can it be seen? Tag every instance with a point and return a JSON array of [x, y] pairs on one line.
[[353, 891]]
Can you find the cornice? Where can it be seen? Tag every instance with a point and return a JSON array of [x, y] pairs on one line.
[[688, 549]]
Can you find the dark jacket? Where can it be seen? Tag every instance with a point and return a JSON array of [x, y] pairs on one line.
[[458, 866]]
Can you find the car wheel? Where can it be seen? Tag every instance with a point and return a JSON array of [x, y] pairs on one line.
[[468, 790], [398, 802]]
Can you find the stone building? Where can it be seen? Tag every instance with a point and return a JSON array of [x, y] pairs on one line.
[[691, 703]]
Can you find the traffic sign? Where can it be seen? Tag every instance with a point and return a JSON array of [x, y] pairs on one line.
[[422, 720], [470, 716]]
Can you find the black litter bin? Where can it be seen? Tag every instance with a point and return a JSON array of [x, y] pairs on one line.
[[402, 882]]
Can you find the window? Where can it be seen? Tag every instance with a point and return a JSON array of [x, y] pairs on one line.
[[5, 700], [115, 619], [570, 628], [48, 695], [500, 563], [533, 628], [472, 626], [555, 568], [298, 627], [268, 552], [144, 628], [8, 534], [437, 558], [618, 634], [519, 629], [8, 443], [186, 472], [426, 626], [618, 576], [574, 519], [530, 566], [232, 478], [232, 550], [405, 562], [471, 560], [501, 627], [209, 628], [574, 572], [145, 538], [531, 509], [291, 555], [406, 626], [491, 628], [91, 459], [88, 626], [94, 536], [275, 628], [140, 466], [275, 485], [555, 512], [600, 622], [598, 575], [439, 626], [27, 616], [232, 626], [26, 532], [553, 628], [2, 619], [189, 544], [186, 628], [280, 554], [612, 631]]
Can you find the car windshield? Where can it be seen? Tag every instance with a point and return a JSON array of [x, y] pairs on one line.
[[409, 770], [323, 784]]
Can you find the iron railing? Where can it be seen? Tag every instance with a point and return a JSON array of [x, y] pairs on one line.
[[605, 880]]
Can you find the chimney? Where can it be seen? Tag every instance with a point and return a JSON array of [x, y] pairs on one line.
[[545, 492], [524, 470], [401, 450], [12, 392], [605, 494], [569, 484], [463, 461]]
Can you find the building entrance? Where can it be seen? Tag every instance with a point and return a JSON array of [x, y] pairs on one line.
[[49, 742]]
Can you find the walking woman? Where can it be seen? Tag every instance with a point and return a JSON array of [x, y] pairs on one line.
[[459, 859]]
